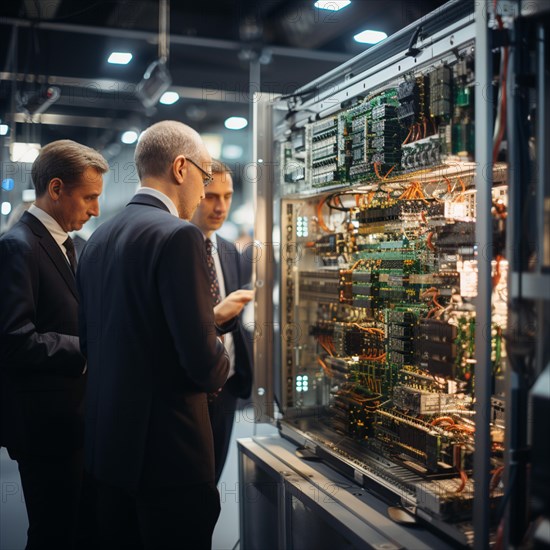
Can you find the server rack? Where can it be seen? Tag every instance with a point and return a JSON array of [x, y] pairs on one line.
[[391, 283]]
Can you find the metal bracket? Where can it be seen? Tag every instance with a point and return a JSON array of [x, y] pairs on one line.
[[412, 50]]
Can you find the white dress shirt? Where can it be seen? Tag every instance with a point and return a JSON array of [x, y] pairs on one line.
[[167, 201], [55, 230]]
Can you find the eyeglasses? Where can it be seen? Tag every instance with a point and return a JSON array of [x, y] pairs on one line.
[[206, 178]]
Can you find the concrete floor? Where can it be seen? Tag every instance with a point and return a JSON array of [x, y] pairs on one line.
[[13, 516]]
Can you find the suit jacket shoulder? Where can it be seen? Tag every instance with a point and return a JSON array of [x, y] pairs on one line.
[[38, 313]]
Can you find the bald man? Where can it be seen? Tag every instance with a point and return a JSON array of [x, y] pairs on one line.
[[150, 335]]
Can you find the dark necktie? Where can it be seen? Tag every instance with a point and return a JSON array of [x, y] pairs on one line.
[[69, 247], [214, 284]]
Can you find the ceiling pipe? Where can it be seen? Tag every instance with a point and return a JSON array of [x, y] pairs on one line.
[[108, 86], [196, 42]]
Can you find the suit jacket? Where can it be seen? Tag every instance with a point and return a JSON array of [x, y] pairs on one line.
[[236, 274], [147, 329], [41, 365]]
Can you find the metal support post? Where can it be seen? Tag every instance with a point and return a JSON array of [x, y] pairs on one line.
[[484, 182]]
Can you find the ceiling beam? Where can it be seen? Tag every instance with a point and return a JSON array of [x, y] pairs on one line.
[[99, 85], [72, 120], [192, 41]]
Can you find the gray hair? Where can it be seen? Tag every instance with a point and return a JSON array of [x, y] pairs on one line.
[[161, 143]]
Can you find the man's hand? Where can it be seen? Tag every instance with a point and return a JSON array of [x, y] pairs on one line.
[[232, 305], [211, 396]]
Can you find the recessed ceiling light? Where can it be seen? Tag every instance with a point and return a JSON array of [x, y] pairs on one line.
[[120, 58], [24, 152], [370, 37], [213, 144], [28, 195], [4, 129], [6, 208], [129, 137], [236, 123], [332, 5], [232, 152], [169, 98]]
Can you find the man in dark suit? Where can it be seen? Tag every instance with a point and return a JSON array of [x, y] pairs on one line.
[[232, 272], [149, 332], [41, 368]]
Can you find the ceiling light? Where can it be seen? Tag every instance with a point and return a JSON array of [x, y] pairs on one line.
[[120, 58], [129, 137], [236, 123], [24, 152], [169, 98], [232, 152], [370, 37], [6, 208], [4, 128], [28, 195], [213, 143], [332, 5]]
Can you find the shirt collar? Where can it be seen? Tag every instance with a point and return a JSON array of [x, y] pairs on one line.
[[214, 240], [56, 231], [167, 201]]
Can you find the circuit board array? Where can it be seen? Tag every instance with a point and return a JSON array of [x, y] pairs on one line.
[[379, 202]]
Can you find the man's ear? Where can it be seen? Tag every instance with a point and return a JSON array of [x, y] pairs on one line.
[[179, 167], [54, 188]]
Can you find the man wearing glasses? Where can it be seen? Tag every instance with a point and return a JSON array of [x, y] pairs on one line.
[[150, 336], [206, 177]]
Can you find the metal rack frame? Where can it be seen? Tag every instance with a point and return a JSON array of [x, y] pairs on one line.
[[324, 96]]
